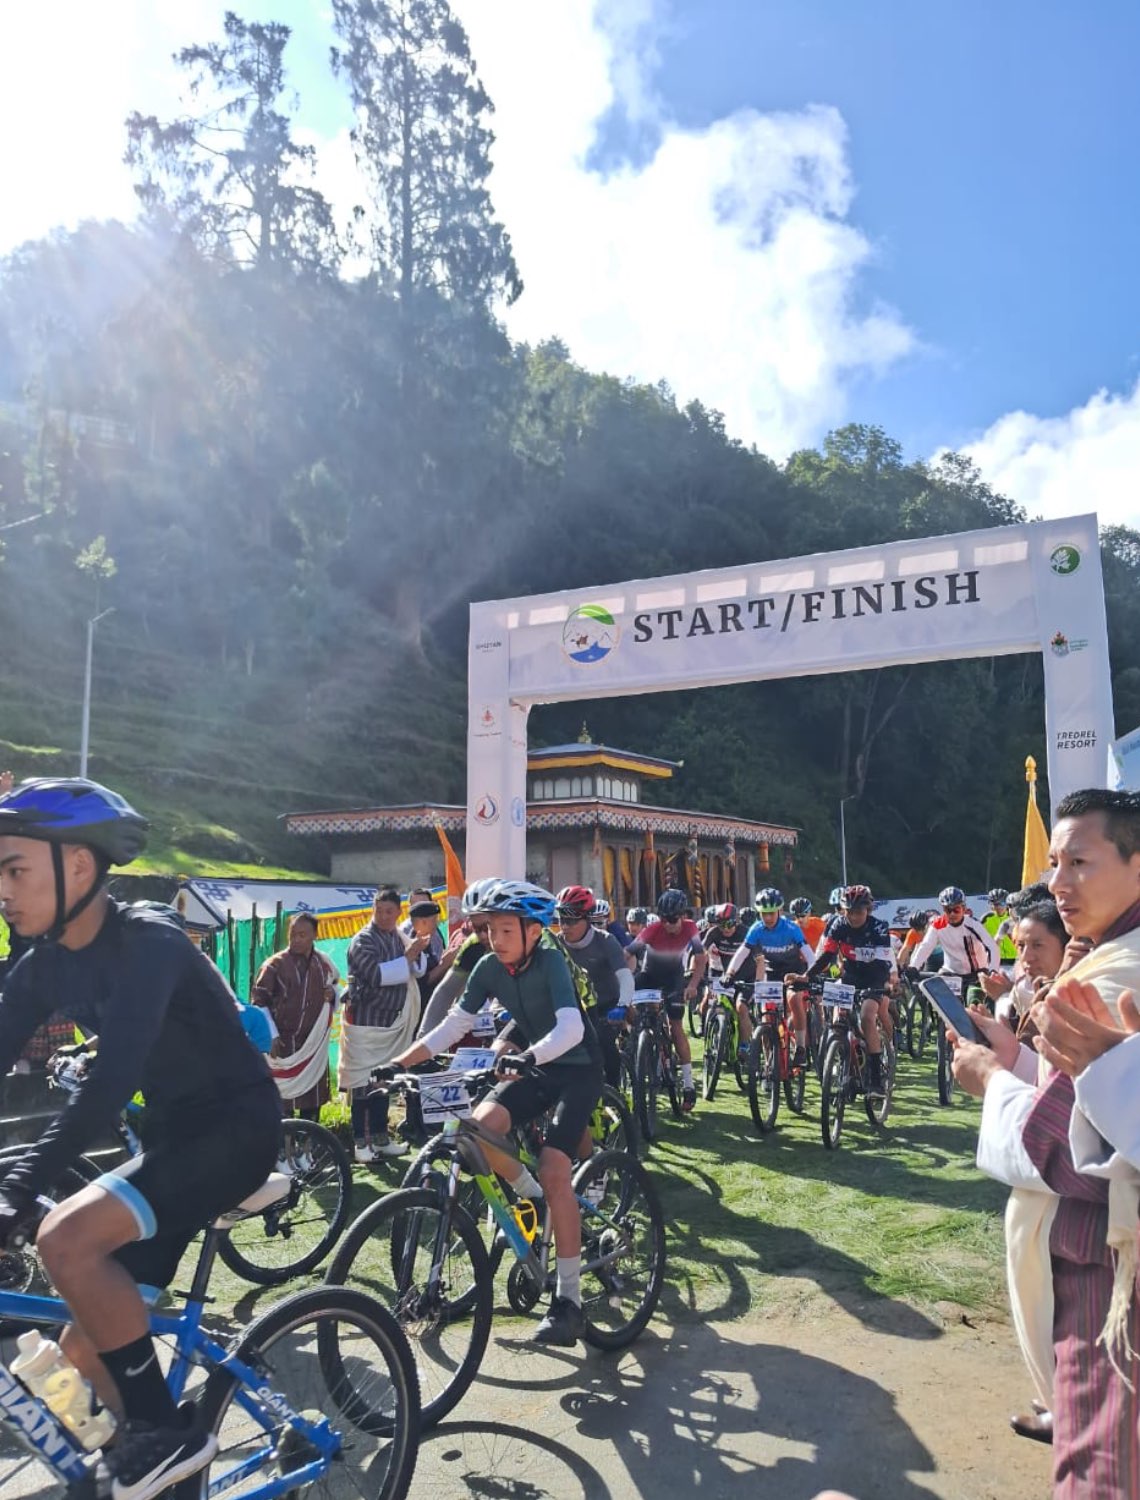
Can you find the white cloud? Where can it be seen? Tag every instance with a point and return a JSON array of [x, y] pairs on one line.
[[1088, 459], [724, 263]]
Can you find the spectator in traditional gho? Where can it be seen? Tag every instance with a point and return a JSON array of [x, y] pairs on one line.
[[382, 1011], [298, 989]]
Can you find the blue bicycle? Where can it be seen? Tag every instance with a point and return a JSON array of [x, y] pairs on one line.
[[319, 1394]]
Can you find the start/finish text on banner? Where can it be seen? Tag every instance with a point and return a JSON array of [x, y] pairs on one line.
[[806, 606]]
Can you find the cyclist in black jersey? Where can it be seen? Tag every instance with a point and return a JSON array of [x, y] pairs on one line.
[[167, 1025], [863, 942]]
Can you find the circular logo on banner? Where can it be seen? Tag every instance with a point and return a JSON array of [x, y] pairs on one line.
[[518, 812], [486, 810], [590, 634], [1065, 559]]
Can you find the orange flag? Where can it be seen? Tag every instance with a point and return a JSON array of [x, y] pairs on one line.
[[455, 882]]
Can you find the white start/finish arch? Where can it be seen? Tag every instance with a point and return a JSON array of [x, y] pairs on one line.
[[1031, 587]]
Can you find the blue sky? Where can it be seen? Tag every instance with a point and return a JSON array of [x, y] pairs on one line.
[[803, 212], [994, 151]]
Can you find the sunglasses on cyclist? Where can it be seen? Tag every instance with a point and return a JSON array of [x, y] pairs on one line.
[[953, 911]]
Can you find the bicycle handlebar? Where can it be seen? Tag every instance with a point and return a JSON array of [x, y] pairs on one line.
[[389, 1080]]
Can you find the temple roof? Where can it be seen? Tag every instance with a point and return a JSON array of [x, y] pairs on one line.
[[554, 757], [569, 812]]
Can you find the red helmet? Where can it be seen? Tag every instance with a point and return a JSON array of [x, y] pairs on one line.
[[856, 896], [575, 903], [724, 915]]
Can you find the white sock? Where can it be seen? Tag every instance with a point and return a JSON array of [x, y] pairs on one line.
[[801, 1037], [569, 1278], [687, 1075], [525, 1186]]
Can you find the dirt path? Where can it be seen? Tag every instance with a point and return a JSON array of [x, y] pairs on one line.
[[777, 1408], [772, 1408]]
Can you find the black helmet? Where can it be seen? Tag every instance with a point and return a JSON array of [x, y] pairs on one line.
[[749, 916], [998, 896], [918, 921], [672, 903]]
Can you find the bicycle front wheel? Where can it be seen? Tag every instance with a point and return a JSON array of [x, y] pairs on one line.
[[764, 1079], [834, 1092], [945, 1073], [693, 1018], [878, 1106], [645, 1084], [339, 1362], [623, 1248], [716, 1040], [433, 1273], [794, 1088], [289, 1238]]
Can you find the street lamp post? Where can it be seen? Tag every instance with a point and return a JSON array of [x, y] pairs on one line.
[[86, 734], [843, 834]]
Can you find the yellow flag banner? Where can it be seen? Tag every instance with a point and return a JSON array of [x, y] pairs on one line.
[[453, 876], [1035, 856]]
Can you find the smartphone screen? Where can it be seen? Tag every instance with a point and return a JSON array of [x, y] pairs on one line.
[[951, 1009]]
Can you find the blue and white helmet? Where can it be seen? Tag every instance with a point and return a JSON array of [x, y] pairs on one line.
[[475, 893], [519, 898]]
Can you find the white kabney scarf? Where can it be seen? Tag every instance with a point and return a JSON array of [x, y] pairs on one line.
[[303, 1070], [363, 1048]]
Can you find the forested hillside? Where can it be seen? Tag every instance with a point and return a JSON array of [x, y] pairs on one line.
[[287, 474]]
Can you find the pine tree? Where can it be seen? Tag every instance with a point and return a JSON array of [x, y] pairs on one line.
[[424, 145], [232, 176]]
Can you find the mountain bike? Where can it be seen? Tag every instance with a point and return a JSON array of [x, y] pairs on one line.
[[845, 1063], [290, 1236], [655, 1065], [722, 1037], [422, 1254], [916, 1019], [771, 1057], [945, 1053], [319, 1394]]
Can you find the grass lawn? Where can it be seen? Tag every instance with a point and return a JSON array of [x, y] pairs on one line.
[[899, 1213]]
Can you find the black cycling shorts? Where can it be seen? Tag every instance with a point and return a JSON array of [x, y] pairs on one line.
[[572, 1091], [188, 1175], [611, 1058]]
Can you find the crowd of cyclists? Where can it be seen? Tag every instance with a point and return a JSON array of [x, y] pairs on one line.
[[562, 976]]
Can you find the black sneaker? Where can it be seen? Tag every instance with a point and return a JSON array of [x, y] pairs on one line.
[[562, 1324], [689, 1101], [800, 1059], [145, 1460], [875, 1073]]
